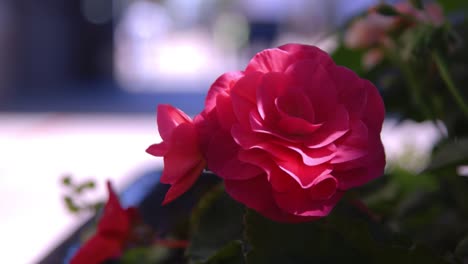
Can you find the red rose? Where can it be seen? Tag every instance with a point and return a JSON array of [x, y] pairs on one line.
[[112, 232], [183, 160], [293, 132]]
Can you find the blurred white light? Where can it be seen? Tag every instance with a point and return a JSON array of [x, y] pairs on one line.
[[37, 149], [145, 19], [408, 144], [181, 59]]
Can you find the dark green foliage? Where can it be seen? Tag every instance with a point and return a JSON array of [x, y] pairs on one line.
[[216, 222], [347, 234], [452, 153]]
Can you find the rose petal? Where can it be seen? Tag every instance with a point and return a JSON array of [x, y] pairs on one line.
[[374, 112], [279, 180], [295, 104], [169, 118], [351, 91], [303, 174], [183, 154], [222, 157], [222, 85], [272, 86], [247, 138], [97, 249], [256, 194], [331, 130], [317, 85], [299, 202], [324, 188], [226, 115], [269, 60], [304, 52], [158, 150], [312, 157], [114, 220], [358, 172], [184, 183], [291, 134], [243, 96], [353, 145], [293, 126]]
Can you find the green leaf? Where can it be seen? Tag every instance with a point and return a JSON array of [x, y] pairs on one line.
[[216, 221], [349, 58], [417, 4], [67, 180], [71, 205], [145, 255], [453, 5], [451, 154], [386, 10], [461, 250], [85, 186], [232, 253], [408, 182], [346, 234], [313, 242]]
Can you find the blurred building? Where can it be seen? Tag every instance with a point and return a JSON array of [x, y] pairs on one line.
[[51, 44]]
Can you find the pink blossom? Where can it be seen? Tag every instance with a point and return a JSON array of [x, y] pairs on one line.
[[183, 159], [292, 132]]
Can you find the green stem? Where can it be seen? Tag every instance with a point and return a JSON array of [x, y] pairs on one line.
[[414, 87], [447, 78]]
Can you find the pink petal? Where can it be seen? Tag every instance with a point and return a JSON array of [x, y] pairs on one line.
[[184, 183], [222, 85], [183, 154], [358, 172], [258, 125], [303, 174], [312, 157], [331, 130], [295, 104], [269, 60], [272, 86], [306, 52], [324, 188], [206, 123], [374, 112], [243, 96], [247, 138], [222, 157], [158, 150], [97, 249], [317, 84], [169, 118], [256, 194], [226, 116], [114, 220], [351, 91], [353, 145], [300, 203], [280, 181], [295, 126]]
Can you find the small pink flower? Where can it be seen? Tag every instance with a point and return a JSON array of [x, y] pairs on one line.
[[432, 13], [367, 31], [371, 58], [112, 232], [292, 132], [435, 14], [372, 29], [183, 159]]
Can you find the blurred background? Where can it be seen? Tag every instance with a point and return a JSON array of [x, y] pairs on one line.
[[80, 81]]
